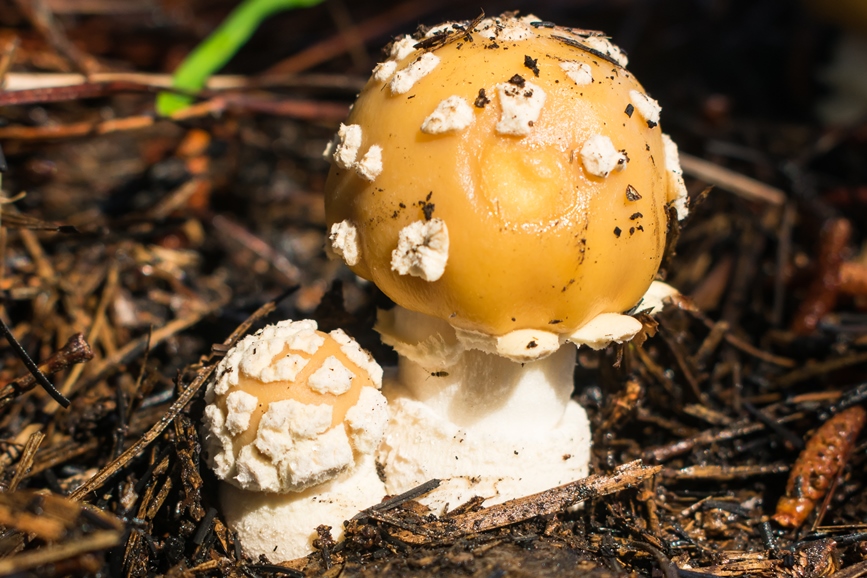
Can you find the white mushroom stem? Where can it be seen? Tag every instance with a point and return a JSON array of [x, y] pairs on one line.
[[483, 392], [283, 526], [492, 416], [489, 425]]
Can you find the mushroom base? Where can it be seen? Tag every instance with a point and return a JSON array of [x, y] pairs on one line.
[[283, 526], [484, 424], [421, 445]]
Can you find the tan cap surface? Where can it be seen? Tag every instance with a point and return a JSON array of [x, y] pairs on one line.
[[291, 407], [542, 190]]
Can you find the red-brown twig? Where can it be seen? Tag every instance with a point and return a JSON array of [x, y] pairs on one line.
[[75, 351], [822, 294], [301, 109]]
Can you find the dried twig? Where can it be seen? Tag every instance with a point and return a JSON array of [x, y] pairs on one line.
[[396, 501], [814, 369], [135, 347], [47, 555], [724, 473], [731, 181], [858, 570], [40, 15], [35, 372], [235, 232], [40, 87], [111, 282], [735, 430], [74, 352], [746, 347], [26, 460], [822, 295], [184, 398], [49, 516], [338, 44], [553, 500], [15, 220], [295, 108], [668, 568]]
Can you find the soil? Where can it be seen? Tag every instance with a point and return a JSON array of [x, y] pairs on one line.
[[162, 241]]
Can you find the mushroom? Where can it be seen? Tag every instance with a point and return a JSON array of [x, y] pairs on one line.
[[520, 202], [293, 420]]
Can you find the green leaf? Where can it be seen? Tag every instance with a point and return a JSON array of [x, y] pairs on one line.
[[218, 48]]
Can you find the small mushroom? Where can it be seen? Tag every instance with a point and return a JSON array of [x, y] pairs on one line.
[[293, 419], [502, 231]]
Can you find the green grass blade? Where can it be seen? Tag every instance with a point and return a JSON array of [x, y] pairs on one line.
[[218, 48]]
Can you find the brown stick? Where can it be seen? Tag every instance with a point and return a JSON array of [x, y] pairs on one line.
[[74, 352], [38, 12], [184, 398], [729, 180], [555, 499], [295, 108], [853, 278], [822, 295], [26, 461], [48, 555], [338, 44]]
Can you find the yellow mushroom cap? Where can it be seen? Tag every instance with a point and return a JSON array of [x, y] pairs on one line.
[[510, 177], [292, 407]]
